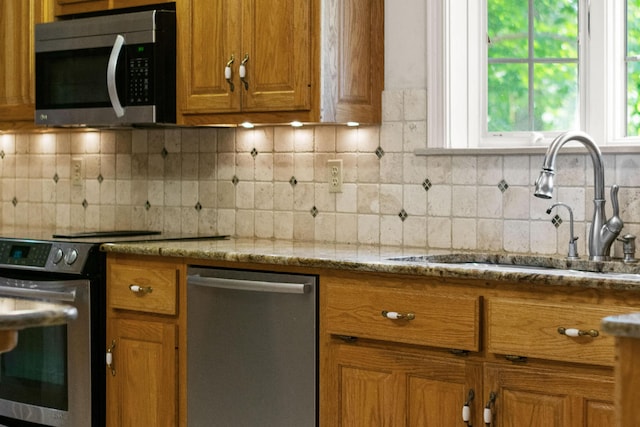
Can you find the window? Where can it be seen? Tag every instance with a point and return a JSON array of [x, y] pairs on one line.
[[504, 73]]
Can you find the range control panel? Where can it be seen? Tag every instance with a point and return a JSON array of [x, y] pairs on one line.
[[59, 257]]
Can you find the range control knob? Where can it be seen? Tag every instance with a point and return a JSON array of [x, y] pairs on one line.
[[57, 255], [71, 256]]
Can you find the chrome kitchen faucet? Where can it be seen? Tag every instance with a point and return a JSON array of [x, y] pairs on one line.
[[603, 232]]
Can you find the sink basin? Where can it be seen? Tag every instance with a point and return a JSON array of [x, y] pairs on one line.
[[526, 263]]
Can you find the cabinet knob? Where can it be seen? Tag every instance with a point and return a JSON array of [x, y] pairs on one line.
[[394, 315]]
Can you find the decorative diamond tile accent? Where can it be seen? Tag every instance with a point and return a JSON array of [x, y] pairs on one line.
[[503, 186], [235, 180], [254, 153], [147, 205], [14, 201], [100, 178], [2, 154], [426, 184], [85, 203], [379, 152], [293, 181], [198, 207], [403, 215], [164, 153], [556, 221], [56, 178], [314, 211]]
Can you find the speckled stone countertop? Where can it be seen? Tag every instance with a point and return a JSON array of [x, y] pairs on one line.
[[624, 325], [415, 261], [17, 313]]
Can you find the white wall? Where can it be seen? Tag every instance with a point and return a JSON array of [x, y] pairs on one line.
[[405, 44]]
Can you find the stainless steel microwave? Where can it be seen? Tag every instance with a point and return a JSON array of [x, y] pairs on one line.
[[111, 70]]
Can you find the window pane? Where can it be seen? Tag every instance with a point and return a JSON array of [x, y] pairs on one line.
[[533, 83], [633, 27], [556, 97], [633, 101], [556, 29], [508, 98], [508, 23]]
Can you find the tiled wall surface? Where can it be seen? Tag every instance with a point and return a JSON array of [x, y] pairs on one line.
[[271, 182]]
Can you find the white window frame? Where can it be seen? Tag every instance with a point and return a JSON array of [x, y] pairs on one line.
[[456, 77]]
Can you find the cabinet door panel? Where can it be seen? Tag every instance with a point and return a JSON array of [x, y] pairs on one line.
[[209, 35], [376, 387], [540, 397], [143, 390], [277, 38], [17, 90]]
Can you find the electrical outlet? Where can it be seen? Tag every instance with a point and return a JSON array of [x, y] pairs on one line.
[[335, 175], [77, 171]]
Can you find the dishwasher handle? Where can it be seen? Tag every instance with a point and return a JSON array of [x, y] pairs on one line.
[[248, 285]]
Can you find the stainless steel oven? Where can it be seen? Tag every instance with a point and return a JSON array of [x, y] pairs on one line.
[[50, 379]]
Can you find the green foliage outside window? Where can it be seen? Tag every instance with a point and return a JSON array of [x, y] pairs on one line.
[[533, 65], [633, 67]]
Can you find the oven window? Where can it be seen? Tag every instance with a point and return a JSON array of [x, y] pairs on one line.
[[35, 372]]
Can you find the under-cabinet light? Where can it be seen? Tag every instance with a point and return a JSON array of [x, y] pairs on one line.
[[247, 125], [296, 124], [353, 124]]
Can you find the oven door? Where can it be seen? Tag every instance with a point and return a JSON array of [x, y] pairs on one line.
[[46, 379]]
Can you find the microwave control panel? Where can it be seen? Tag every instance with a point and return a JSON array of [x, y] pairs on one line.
[[140, 74]]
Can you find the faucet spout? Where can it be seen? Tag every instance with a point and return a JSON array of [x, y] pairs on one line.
[[603, 233]]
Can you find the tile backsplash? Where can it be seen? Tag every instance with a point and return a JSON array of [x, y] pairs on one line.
[[272, 182]]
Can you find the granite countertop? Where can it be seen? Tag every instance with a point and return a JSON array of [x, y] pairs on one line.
[[624, 325], [539, 270], [17, 314]]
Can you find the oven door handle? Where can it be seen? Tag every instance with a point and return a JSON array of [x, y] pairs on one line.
[[68, 296]]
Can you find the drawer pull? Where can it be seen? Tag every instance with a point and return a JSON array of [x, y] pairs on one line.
[[394, 315], [573, 332], [137, 289]]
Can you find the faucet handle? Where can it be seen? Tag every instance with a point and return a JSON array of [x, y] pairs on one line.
[[615, 223], [614, 199]]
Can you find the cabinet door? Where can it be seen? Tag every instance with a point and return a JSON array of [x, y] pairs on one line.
[[376, 387], [209, 36], [17, 89], [538, 397], [142, 391], [277, 46]]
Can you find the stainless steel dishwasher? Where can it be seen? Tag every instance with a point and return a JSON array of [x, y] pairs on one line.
[[252, 348]]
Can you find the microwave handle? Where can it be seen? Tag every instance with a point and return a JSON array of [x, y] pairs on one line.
[[111, 76]]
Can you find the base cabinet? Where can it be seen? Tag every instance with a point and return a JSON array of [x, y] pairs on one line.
[[144, 320], [396, 354]]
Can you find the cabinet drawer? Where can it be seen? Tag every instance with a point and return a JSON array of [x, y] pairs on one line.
[[440, 320], [526, 328], [151, 289]]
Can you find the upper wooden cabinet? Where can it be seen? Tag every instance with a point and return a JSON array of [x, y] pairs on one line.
[[279, 61], [74, 7], [17, 89]]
